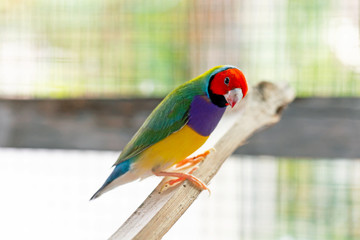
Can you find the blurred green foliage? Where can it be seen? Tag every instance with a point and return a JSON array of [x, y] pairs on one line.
[[145, 48], [318, 199]]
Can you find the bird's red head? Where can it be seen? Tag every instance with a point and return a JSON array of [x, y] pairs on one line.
[[231, 84]]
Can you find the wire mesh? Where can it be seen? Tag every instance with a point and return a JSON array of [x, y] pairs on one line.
[[253, 198], [111, 48]]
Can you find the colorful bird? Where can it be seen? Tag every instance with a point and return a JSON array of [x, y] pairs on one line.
[[177, 127]]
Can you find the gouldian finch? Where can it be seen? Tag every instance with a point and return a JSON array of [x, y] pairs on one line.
[[177, 127]]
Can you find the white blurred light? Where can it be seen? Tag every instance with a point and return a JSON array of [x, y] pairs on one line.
[[344, 40], [147, 87]]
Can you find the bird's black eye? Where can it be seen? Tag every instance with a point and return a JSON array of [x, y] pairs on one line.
[[227, 80]]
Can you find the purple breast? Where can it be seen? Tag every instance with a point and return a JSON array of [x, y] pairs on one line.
[[204, 116]]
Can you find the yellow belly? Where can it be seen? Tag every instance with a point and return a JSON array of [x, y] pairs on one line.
[[170, 150]]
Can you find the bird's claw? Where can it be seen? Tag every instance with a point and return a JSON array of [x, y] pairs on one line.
[[182, 171]]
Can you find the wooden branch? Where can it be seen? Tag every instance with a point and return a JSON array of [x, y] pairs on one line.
[[158, 213]]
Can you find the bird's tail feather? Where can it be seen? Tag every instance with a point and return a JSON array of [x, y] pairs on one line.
[[113, 180]]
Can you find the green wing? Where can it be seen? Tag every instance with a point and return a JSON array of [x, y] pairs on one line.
[[168, 117]]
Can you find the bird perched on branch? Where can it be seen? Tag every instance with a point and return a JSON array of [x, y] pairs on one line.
[[176, 128]]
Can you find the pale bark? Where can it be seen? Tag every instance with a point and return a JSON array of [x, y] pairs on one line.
[[158, 213]]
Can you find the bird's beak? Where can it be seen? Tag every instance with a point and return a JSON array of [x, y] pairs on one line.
[[233, 96]]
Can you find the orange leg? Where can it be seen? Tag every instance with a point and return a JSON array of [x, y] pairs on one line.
[[179, 180], [185, 176], [182, 171], [193, 160]]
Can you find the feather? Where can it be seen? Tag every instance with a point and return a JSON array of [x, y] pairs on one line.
[[169, 116], [177, 127]]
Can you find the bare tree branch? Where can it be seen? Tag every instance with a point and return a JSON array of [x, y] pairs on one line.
[[158, 213]]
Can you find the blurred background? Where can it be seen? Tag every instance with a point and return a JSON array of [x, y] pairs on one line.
[[77, 78]]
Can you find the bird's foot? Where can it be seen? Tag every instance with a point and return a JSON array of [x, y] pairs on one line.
[[183, 171], [193, 161], [179, 177]]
